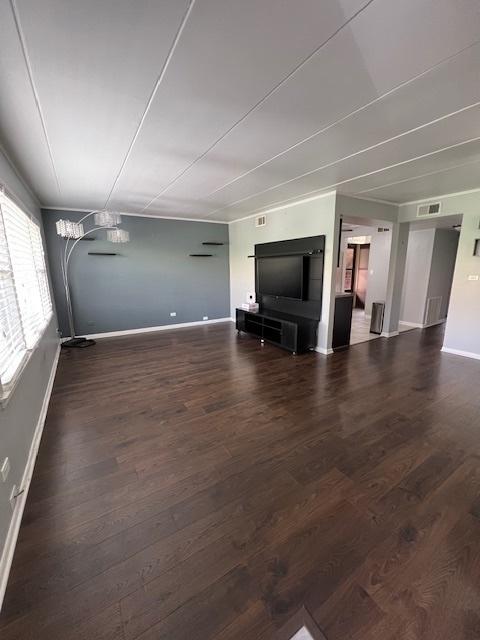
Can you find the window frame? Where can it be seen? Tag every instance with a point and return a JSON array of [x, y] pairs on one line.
[[39, 260]]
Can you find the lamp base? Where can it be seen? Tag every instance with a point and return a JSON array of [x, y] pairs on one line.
[[79, 343]]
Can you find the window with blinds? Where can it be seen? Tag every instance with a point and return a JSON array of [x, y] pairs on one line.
[[25, 303]]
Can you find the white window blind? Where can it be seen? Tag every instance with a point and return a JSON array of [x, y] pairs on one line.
[[12, 342], [25, 304]]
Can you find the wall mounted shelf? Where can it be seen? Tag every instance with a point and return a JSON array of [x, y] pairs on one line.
[[201, 255], [213, 244], [98, 253]]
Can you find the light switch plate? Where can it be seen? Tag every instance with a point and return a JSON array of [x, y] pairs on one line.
[[473, 278], [173, 314]]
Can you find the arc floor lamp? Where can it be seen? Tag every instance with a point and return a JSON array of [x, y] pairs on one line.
[[73, 232]]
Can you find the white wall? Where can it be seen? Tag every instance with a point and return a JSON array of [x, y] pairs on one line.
[[417, 275], [369, 210], [462, 330], [312, 218], [443, 266], [20, 417]]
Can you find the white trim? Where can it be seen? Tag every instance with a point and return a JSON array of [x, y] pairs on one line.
[[446, 195], [389, 334], [459, 352], [433, 324], [136, 215], [419, 325], [12, 534], [323, 351], [416, 325], [163, 327]]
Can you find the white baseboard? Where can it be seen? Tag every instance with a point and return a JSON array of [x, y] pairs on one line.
[[464, 354], [419, 325], [433, 324], [389, 334], [12, 534], [323, 351], [163, 327]]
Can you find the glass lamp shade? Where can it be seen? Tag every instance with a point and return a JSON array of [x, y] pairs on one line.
[[69, 229], [118, 235], [107, 218]]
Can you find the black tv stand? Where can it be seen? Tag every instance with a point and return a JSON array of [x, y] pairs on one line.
[[294, 333]]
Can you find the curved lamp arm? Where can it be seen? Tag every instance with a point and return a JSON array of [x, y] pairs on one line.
[[77, 240], [67, 254]]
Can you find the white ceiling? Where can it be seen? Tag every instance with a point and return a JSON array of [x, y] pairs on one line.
[[215, 109]]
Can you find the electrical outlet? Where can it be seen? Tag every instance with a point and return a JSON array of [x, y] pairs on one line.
[[173, 314], [205, 317], [13, 496], [5, 470]]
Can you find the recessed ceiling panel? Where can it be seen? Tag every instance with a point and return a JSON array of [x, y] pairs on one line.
[[444, 91], [21, 129], [219, 108], [357, 66], [95, 65], [440, 142], [230, 56], [460, 178]]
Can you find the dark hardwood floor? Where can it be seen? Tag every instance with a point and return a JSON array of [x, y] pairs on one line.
[[193, 485]]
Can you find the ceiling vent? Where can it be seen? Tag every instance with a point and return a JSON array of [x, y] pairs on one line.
[[260, 221], [429, 209]]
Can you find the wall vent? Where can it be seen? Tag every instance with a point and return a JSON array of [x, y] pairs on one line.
[[432, 310], [429, 209], [260, 221]]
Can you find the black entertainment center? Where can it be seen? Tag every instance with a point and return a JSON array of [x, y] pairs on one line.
[[288, 289]]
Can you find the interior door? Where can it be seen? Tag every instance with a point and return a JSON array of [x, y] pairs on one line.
[[349, 268], [361, 274]]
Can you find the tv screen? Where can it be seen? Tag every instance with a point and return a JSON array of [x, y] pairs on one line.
[[281, 276]]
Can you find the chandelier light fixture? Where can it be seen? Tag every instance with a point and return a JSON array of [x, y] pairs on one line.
[[118, 235], [73, 232], [69, 229], [107, 218]]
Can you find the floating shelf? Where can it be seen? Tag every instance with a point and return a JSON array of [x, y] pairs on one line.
[[213, 244], [201, 255], [89, 239], [98, 253]]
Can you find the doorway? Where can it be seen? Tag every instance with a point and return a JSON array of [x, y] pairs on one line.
[[356, 258], [361, 275], [363, 271]]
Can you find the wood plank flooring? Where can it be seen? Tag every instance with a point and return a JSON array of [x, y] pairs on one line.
[[193, 485]]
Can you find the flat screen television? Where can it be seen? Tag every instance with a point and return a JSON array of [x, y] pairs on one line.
[[282, 276]]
